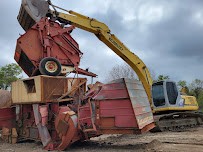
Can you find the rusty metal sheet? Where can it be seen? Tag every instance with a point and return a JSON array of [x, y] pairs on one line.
[[43, 131], [71, 133], [140, 103], [127, 102], [112, 91], [62, 127], [7, 117], [114, 103]]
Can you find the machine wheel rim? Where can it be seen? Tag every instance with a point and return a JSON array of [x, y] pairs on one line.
[[51, 66]]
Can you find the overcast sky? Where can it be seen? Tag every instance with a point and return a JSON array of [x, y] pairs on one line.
[[166, 34]]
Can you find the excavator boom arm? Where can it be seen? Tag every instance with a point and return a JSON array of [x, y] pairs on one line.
[[103, 33]]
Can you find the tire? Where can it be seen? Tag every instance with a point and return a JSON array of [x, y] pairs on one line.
[[50, 66]]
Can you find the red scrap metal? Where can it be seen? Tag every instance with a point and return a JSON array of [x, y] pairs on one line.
[[120, 107], [66, 125], [7, 117], [48, 39], [7, 114]]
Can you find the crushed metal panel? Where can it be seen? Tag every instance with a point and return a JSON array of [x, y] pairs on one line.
[[140, 102]]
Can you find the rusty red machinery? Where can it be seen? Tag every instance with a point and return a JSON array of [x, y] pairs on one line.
[[58, 110], [48, 48], [65, 112]]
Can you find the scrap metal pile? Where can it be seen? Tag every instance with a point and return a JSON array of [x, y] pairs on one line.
[[58, 110]]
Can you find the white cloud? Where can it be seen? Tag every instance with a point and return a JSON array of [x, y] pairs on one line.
[[198, 17], [150, 14]]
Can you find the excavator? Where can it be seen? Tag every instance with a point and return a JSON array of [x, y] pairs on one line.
[[172, 110]]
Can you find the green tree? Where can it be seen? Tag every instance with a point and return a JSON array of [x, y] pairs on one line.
[[163, 77], [200, 101], [196, 89], [8, 74], [182, 83]]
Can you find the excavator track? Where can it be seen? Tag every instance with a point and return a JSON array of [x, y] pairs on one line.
[[178, 121]]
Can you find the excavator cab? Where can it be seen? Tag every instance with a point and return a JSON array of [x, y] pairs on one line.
[[166, 97]]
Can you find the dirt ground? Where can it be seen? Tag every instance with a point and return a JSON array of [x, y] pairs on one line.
[[188, 141]]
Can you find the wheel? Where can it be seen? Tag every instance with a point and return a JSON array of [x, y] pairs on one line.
[[50, 66]]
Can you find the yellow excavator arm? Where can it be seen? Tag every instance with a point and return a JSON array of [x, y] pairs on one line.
[[102, 31]]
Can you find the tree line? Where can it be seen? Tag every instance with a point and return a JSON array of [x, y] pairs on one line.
[[195, 88]]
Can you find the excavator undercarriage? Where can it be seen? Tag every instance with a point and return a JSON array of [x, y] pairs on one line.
[[178, 121]]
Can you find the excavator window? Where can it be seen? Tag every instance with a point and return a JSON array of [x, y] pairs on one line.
[[158, 94], [172, 92]]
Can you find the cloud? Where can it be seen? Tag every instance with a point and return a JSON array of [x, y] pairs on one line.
[[166, 35], [9, 30]]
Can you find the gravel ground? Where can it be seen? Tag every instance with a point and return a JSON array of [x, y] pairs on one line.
[[188, 141]]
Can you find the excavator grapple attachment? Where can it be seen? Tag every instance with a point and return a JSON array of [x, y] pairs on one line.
[[31, 11]]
